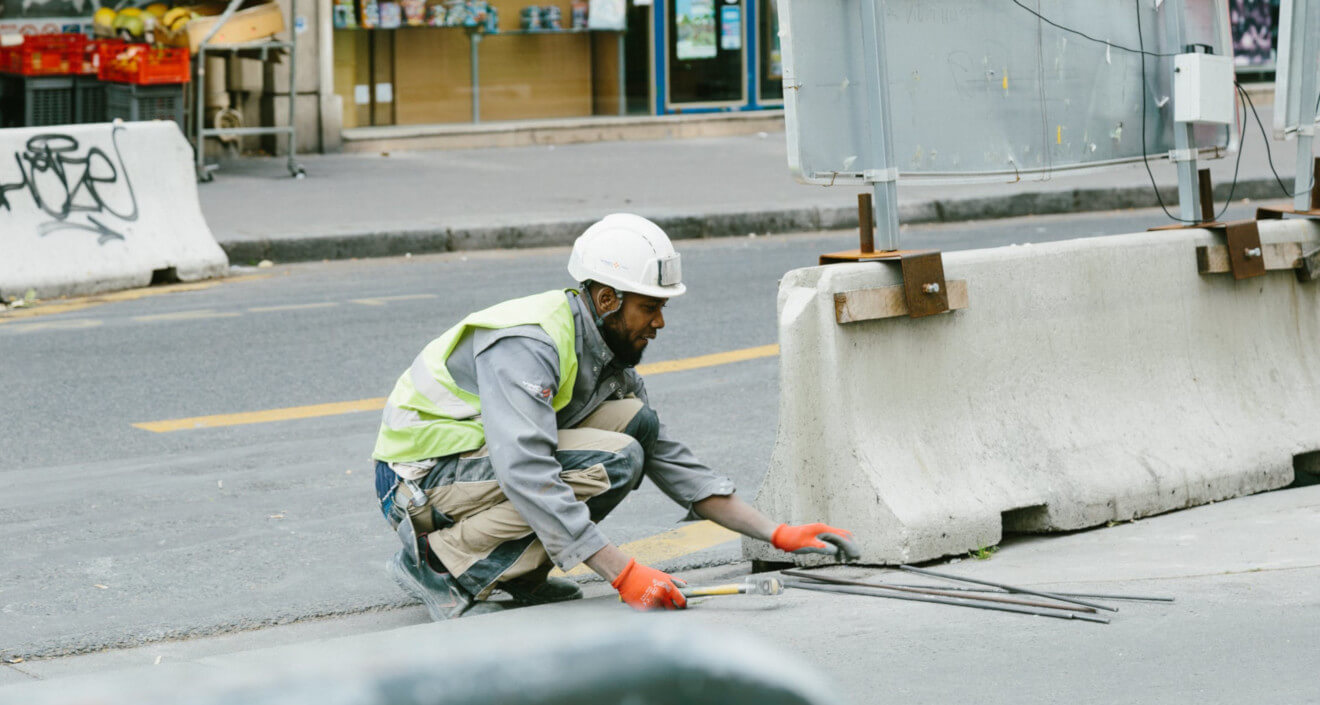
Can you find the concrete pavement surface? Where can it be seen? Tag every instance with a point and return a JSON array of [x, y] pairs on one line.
[[118, 535], [1242, 628], [356, 205]]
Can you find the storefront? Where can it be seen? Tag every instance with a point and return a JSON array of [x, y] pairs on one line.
[[46, 16], [572, 59]]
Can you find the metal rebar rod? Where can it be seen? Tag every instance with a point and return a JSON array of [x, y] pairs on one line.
[[1010, 588], [958, 602], [936, 591], [1096, 595]]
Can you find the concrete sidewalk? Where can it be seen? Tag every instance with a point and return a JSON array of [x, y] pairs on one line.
[[357, 205], [1242, 629]]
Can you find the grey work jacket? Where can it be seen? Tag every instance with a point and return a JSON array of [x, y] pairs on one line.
[[508, 369]]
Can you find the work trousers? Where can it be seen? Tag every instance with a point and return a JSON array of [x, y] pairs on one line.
[[475, 530]]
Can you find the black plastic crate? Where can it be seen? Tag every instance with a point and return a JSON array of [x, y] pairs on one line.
[[88, 100], [36, 101], [131, 102]]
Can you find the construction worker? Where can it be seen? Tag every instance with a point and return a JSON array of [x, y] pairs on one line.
[[518, 429]]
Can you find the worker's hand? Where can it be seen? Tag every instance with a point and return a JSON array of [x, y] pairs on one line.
[[816, 538], [645, 588]]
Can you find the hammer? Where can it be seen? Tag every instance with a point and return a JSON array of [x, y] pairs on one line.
[[765, 585]]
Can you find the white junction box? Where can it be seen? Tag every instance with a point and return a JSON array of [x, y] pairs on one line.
[[1203, 88]]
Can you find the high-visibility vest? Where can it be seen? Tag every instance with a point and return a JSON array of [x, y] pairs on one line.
[[429, 416]]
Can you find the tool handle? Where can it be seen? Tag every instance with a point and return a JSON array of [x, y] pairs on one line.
[[731, 589]]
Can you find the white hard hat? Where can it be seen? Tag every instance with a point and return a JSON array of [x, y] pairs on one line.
[[630, 253]]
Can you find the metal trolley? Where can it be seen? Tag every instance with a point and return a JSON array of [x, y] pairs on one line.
[[262, 50]]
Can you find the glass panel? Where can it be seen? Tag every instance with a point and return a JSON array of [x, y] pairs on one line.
[[705, 40], [772, 57]]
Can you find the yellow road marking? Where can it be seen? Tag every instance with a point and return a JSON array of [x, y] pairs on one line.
[[63, 324], [348, 407], [79, 304], [296, 412], [380, 300], [700, 361], [186, 315], [694, 537], [291, 307]]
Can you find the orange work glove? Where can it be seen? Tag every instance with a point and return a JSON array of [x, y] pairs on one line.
[[646, 588], [815, 538]]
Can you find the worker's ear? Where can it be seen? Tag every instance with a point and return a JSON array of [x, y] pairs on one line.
[[607, 299]]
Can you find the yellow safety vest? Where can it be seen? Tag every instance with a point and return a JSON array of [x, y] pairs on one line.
[[429, 416]]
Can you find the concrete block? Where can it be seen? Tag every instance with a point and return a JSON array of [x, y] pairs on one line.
[[1089, 380], [89, 208]]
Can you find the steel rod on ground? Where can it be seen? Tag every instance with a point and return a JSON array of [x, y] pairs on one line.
[[935, 591], [1093, 595], [956, 601], [1010, 588]]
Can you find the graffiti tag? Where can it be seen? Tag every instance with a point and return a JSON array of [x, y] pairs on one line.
[[79, 189]]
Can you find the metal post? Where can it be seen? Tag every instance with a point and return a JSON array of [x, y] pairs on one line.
[[623, 78], [865, 227], [199, 114], [1189, 197], [882, 176], [294, 169], [1302, 182], [474, 39]]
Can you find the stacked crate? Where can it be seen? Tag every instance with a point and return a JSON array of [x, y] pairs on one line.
[[144, 83]]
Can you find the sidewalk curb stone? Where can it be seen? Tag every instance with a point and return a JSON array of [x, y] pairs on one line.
[[439, 238]]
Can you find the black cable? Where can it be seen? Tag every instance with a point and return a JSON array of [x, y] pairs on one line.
[[1269, 153], [1084, 35], [1145, 159]]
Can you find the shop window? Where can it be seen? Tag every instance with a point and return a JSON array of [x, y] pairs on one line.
[[706, 52], [771, 69]]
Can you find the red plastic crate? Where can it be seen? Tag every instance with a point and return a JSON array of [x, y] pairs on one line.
[[91, 55], [143, 65], [44, 55]]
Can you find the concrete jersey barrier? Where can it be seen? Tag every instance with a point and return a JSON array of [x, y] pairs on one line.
[[1088, 381], [88, 208]]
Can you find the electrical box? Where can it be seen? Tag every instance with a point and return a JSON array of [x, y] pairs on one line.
[[1203, 89]]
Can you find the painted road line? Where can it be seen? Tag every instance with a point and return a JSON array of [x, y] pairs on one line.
[[250, 417], [695, 363], [697, 536], [79, 304], [292, 307], [194, 315], [349, 407], [62, 324], [381, 300]]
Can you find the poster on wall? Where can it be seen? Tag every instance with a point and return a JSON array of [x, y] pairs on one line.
[[695, 20], [607, 15], [731, 27], [1253, 32]]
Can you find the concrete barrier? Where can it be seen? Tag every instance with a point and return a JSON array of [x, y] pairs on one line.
[[88, 208], [1088, 381], [587, 653]]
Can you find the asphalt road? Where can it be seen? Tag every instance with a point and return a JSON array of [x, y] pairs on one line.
[[115, 535]]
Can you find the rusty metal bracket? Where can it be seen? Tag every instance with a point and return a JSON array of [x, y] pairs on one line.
[[1246, 258], [924, 287], [924, 291]]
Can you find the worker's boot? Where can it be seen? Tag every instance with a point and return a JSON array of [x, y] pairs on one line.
[[441, 594], [539, 589]]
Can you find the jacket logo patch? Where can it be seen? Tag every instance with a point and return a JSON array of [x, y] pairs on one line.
[[537, 390]]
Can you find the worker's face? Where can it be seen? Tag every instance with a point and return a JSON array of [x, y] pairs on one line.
[[632, 327]]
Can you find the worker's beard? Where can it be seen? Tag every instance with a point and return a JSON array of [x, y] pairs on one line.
[[625, 351]]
